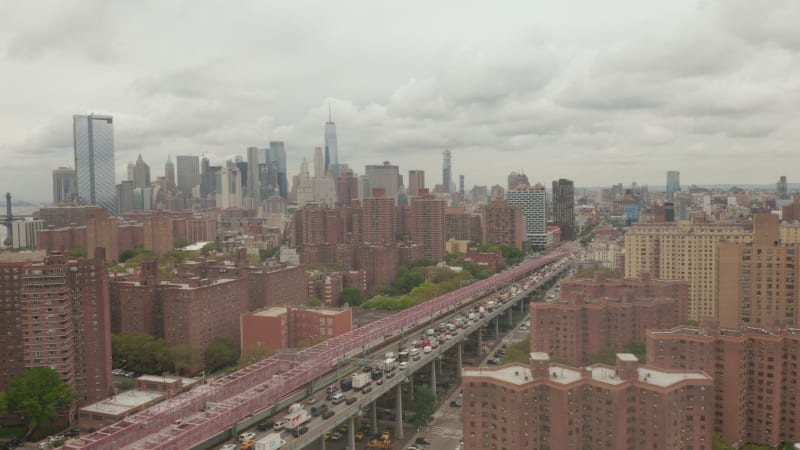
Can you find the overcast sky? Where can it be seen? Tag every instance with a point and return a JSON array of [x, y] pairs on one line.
[[597, 91]]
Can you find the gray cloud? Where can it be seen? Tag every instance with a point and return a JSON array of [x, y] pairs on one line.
[[622, 92]]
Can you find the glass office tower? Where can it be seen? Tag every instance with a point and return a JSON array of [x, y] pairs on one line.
[[93, 137]]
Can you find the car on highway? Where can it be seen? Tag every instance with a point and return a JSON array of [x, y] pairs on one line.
[[403, 365], [336, 436], [328, 414], [248, 436], [300, 430], [278, 425], [247, 445], [350, 401], [266, 425], [228, 446], [368, 389]]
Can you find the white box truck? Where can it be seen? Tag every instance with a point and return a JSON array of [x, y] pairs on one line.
[[270, 442], [296, 417], [361, 379]]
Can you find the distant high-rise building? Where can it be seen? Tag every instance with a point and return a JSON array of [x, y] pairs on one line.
[[673, 183], [461, 186], [682, 251], [782, 191], [516, 179], [64, 185], [169, 173], [331, 144], [228, 182], [188, 173], [253, 176], [564, 207], [384, 176], [141, 173], [748, 294], [416, 181], [277, 153], [446, 171], [532, 201], [125, 197], [93, 137], [428, 216], [503, 224]]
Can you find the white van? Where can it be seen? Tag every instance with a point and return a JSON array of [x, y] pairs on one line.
[[337, 398]]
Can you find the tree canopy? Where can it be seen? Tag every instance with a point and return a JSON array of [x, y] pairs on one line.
[[352, 296], [423, 405], [222, 352], [38, 394], [140, 353]]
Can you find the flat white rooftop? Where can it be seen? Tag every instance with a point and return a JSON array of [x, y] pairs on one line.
[[665, 379], [123, 402]]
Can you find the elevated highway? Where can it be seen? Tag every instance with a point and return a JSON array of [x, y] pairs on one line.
[[197, 416]]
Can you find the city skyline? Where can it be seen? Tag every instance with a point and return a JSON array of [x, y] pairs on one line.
[[621, 91]]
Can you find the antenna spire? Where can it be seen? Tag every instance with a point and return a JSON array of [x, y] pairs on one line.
[[329, 111]]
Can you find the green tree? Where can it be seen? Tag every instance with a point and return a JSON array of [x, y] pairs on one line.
[[78, 252], [181, 357], [352, 296], [140, 353], [253, 355], [315, 302], [221, 353], [38, 394], [210, 247], [264, 254], [605, 355], [423, 405], [180, 243], [718, 444]]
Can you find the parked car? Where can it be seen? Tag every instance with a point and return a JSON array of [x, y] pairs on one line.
[[456, 404], [422, 441]]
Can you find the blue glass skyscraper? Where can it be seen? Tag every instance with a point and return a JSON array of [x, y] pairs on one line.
[[93, 137]]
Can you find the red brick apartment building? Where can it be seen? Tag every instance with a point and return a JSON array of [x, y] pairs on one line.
[[503, 224], [546, 406], [203, 302], [598, 313], [56, 313], [278, 327], [755, 373]]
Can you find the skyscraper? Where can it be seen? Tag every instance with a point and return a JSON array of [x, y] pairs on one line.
[[64, 185], [384, 176], [533, 203], [141, 173], [277, 153], [782, 191], [93, 138], [331, 143], [446, 171], [188, 173], [564, 207], [253, 176], [673, 183], [416, 181], [169, 173], [461, 186]]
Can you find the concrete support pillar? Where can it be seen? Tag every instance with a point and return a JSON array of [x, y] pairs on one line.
[[411, 385], [510, 317], [433, 377], [398, 422], [374, 416], [351, 432], [522, 305], [480, 343], [460, 350], [497, 327], [322, 442]]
